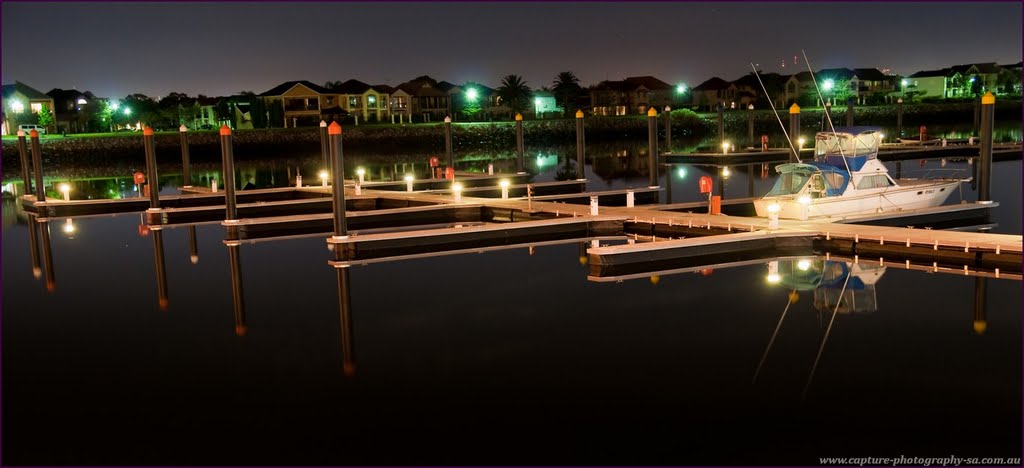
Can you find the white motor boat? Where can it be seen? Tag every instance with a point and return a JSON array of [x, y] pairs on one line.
[[846, 179]]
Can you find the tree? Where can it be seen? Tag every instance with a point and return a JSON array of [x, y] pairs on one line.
[[138, 108], [258, 111], [566, 87], [514, 93], [45, 116], [276, 110]]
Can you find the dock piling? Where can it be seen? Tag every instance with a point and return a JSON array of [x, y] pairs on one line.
[[899, 118], [37, 166], [849, 111], [750, 125], [652, 148], [630, 199], [667, 116], [448, 142], [794, 130], [520, 148], [186, 170], [988, 108], [594, 208], [23, 154], [151, 173], [325, 162], [227, 158], [338, 189], [580, 146]]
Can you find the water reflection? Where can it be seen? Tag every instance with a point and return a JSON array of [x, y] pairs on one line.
[[237, 295], [345, 317], [44, 234], [161, 270]]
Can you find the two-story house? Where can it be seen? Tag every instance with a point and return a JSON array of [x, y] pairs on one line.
[[428, 101], [304, 104], [633, 95], [713, 92], [71, 111], [369, 103], [20, 101]]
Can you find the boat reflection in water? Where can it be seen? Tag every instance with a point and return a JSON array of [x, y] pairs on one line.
[[838, 286]]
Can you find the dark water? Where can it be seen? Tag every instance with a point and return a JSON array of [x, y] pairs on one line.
[[504, 357]]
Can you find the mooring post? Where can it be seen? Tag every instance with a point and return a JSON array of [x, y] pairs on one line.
[[849, 111], [227, 159], [186, 171], [348, 360], [37, 166], [520, 148], [448, 142], [652, 148], [750, 125], [981, 302], [593, 205], [161, 270], [828, 111], [794, 130], [325, 162], [630, 199], [667, 116], [338, 163], [899, 118], [721, 123], [580, 147], [988, 113], [23, 154], [151, 173]]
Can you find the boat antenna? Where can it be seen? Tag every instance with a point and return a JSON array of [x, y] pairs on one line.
[[764, 356], [771, 103], [829, 117]]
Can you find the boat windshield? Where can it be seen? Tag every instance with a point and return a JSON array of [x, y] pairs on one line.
[[789, 183], [836, 144]]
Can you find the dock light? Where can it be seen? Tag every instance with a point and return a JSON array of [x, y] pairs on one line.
[[773, 272], [726, 172], [457, 191], [69, 228], [323, 178], [803, 264], [361, 173], [828, 84], [65, 189], [725, 147], [773, 278], [773, 215], [804, 200], [504, 183], [408, 182], [881, 136], [800, 141], [681, 172]]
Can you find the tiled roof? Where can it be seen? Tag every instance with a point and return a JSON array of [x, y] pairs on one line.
[[283, 87], [712, 84], [26, 90]]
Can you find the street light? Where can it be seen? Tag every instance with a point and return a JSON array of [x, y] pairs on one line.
[[829, 84], [17, 107], [472, 94], [127, 111], [680, 88]]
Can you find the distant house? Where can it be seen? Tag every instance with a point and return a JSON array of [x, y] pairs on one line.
[[871, 81], [544, 105], [429, 101], [986, 73], [749, 90], [19, 98], [633, 95], [713, 92], [1011, 84], [365, 101], [930, 82], [798, 85], [70, 109], [304, 104]]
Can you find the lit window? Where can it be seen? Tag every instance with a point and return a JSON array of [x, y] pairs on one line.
[[82, 101], [371, 101], [37, 107], [355, 101]]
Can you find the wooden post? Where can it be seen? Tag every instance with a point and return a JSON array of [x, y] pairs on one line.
[[338, 190], [325, 162], [23, 154], [750, 126], [794, 130], [33, 240], [988, 113], [899, 118], [44, 234], [193, 246], [186, 170], [37, 166], [520, 148], [581, 147], [667, 116], [227, 159], [652, 148], [153, 179], [348, 361], [448, 142], [237, 296]]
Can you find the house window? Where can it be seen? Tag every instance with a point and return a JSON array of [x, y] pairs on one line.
[[791, 88], [355, 102], [36, 107], [330, 101], [371, 101]]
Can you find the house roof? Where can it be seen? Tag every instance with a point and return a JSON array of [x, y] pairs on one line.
[[983, 68], [712, 84], [869, 74], [931, 73], [1015, 65], [352, 87], [25, 90], [68, 94], [836, 73], [382, 88], [283, 87], [801, 76], [445, 86], [648, 82]]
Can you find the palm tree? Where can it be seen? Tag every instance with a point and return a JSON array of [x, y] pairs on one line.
[[514, 93], [566, 87]]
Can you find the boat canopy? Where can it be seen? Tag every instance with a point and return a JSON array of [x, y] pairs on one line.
[[792, 174], [856, 144]]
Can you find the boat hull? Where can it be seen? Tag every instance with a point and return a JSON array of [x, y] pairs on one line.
[[916, 195]]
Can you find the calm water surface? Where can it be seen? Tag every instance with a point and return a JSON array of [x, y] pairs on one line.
[[506, 357]]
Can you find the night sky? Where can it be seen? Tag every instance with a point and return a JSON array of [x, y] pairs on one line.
[[115, 49]]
